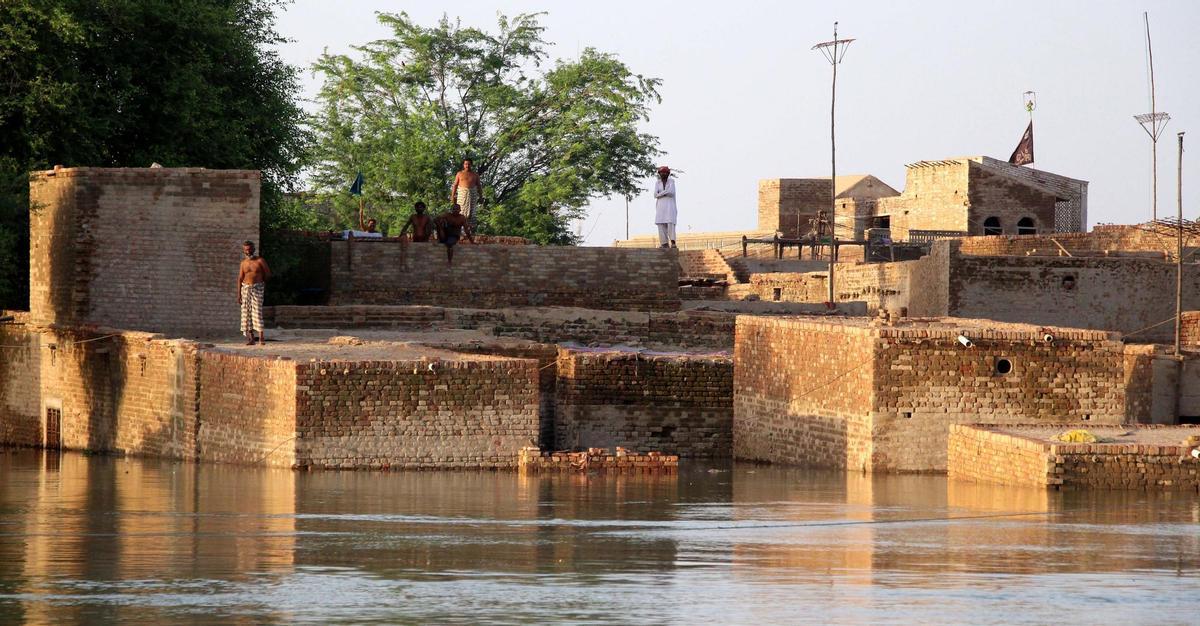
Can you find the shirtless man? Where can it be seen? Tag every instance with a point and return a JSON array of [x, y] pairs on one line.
[[450, 227], [252, 278], [421, 224], [466, 191]]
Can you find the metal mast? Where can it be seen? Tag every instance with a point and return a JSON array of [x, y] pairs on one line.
[[1153, 123], [834, 51]]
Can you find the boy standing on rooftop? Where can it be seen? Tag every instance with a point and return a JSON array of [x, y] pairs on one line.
[[252, 279]]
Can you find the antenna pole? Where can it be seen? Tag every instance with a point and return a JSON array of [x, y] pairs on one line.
[[1179, 248], [833, 51]]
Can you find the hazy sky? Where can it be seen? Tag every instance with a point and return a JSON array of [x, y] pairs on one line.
[[744, 97]]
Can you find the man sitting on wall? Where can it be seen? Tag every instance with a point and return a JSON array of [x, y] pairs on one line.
[[450, 228], [252, 279], [421, 224]]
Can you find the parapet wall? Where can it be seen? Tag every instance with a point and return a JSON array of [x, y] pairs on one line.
[[247, 410], [673, 403], [1103, 240], [146, 249], [374, 272]]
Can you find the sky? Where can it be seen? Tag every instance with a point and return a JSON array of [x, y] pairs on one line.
[[745, 98]]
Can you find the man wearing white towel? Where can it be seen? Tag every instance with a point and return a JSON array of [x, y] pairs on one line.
[[665, 211]]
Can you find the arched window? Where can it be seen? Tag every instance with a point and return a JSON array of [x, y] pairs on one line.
[[991, 226], [1026, 226]]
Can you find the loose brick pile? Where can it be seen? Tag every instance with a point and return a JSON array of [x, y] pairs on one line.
[[680, 404], [139, 248], [382, 272], [600, 460], [1015, 456]]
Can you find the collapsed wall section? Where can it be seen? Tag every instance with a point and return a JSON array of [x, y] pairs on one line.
[[466, 414], [386, 272], [802, 392], [153, 249], [673, 403]]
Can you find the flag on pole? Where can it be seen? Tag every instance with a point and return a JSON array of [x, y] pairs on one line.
[[1023, 155], [356, 188]]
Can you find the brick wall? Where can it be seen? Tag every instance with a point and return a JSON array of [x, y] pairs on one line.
[[146, 249], [924, 381], [126, 392], [783, 201], [987, 454], [802, 392], [371, 272], [376, 414], [934, 198], [857, 394], [1103, 240], [1008, 199], [705, 263], [686, 329], [676, 404], [247, 409]]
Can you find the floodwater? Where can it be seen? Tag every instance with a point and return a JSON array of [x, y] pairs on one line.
[[101, 539]]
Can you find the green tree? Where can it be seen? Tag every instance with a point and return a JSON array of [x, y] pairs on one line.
[[545, 141], [124, 83]]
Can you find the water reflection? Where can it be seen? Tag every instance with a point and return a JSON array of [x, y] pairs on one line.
[[90, 539]]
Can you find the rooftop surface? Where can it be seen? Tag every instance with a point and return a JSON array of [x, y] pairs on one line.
[[1116, 435]]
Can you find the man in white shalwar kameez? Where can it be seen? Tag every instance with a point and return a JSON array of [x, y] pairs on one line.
[[665, 210]]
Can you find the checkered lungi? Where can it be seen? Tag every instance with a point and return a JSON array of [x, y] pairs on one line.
[[468, 198], [252, 302]]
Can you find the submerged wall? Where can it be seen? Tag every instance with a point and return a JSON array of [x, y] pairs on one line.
[[672, 403]]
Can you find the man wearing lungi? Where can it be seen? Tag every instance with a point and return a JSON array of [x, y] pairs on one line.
[[467, 192], [252, 279]]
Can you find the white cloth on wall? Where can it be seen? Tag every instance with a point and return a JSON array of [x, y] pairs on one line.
[[665, 211], [666, 234]]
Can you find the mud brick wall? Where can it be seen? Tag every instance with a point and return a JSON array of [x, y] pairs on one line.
[[996, 195], [371, 272], [377, 414], [122, 392], [247, 410], [1189, 329], [933, 199], [20, 386], [802, 392], [924, 381], [705, 263], [145, 249], [533, 461], [675, 404]]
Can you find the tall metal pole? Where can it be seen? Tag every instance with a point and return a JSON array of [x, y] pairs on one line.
[[833, 51], [1153, 138], [1179, 248], [626, 218]]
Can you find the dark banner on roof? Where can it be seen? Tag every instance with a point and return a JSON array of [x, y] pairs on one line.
[[1023, 155]]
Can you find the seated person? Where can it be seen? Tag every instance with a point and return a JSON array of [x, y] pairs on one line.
[[421, 224], [450, 228]]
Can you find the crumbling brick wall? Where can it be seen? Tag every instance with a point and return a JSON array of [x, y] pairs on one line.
[[385, 272], [145, 249], [415, 414], [676, 404], [20, 384], [247, 410]]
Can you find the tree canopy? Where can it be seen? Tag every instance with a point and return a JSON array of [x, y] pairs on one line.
[[545, 138], [124, 83]]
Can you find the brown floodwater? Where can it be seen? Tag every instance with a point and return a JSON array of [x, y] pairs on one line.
[[101, 539]]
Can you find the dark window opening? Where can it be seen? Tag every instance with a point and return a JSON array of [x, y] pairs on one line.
[[1003, 366], [1026, 226], [1068, 283], [881, 221], [991, 226], [777, 294]]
